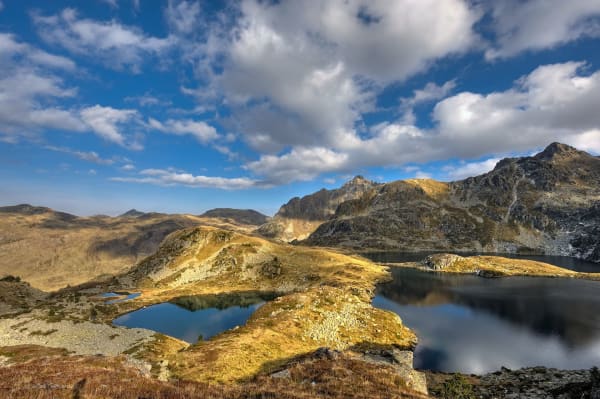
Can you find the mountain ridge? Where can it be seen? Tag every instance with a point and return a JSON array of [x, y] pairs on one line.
[[548, 203]]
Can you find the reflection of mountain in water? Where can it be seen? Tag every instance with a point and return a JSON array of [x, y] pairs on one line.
[[552, 307], [241, 299]]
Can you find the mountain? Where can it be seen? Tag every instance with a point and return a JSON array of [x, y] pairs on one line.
[[132, 213], [298, 218], [241, 216], [51, 249], [548, 203]]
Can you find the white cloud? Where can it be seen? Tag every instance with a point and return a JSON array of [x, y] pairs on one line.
[[586, 141], [115, 44], [430, 92], [427, 94], [541, 24], [333, 56], [105, 122], [90, 156], [202, 131], [183, 16], [170, 178], [128, 167], [299, 164], [30, 85], [553, 103], [468, 169], [422, 175], [11, 48]]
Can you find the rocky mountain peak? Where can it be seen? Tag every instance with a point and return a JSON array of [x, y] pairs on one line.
[[557, 150], [358, 181], [132, 213]]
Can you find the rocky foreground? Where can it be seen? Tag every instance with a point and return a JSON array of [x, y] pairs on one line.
[[526, 383]]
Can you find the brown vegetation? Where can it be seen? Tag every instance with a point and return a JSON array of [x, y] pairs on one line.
[[100, 377]]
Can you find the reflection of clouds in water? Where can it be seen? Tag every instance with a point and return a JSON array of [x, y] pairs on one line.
[[187, 325], [455, 338], [123, 319]]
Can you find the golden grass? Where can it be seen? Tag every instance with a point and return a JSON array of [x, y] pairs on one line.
[[50, 253], [325, 302], [433, 188], [288, 327]]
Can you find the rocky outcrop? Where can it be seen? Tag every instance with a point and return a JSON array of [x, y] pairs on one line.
[[540, 382], [297, 219], [546, 204], [440, 261]]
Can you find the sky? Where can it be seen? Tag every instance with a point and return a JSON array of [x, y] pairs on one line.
[[183, 106]]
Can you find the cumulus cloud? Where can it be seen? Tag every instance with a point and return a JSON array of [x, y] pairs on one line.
[[105, 122], [117, 45], [587, 141], [553, 103], [202, 131], [299, 164], [170, 178], [30, 84], [430, 92], [541, 24], [326, 62]]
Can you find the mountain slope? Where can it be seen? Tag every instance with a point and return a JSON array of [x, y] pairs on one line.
[[548, 203], [298, 218], [52, 249], [241, 216]]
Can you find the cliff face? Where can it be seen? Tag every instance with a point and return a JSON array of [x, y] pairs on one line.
[[301, 216], [548, 203]]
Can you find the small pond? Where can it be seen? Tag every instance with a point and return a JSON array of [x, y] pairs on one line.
[[194, 318], [475, 325]]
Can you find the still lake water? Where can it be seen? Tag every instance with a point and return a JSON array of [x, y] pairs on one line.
[[476, 325], [196, 318]]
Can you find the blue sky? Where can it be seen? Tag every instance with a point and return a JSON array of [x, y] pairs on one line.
[[183, 106]]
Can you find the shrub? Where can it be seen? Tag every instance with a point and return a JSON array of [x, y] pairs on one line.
[[457, 387]]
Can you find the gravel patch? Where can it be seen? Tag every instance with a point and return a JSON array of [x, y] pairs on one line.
[[82, 338]]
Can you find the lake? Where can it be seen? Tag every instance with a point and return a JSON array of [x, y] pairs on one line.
[[195, 318], [471, 324]]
